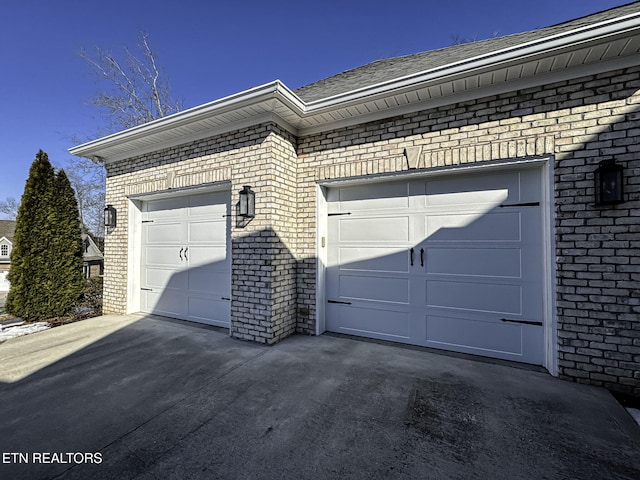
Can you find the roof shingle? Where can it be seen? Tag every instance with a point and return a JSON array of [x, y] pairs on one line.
[[394, 68]]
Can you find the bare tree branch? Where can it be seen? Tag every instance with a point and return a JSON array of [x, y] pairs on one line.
[[136, 91], [9, 206], [133, 90]]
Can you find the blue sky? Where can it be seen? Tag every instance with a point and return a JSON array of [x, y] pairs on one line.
[[210, 49]]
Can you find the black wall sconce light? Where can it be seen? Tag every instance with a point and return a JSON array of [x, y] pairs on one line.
[[247, 204], [109, 216], [608, 183]]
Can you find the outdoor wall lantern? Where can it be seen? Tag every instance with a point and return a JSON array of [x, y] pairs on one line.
[[109, 216], [247, 205], [608, 183]]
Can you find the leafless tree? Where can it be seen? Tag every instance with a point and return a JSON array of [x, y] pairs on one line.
[[9, 206], [135, 89], [88, 181]]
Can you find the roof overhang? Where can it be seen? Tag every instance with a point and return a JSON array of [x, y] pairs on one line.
[[587, 50]]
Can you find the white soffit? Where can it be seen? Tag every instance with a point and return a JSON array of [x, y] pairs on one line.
[[584, 51]]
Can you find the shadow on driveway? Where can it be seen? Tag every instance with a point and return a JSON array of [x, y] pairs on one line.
[[156, 398]]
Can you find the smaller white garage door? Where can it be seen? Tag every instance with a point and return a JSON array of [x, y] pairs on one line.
[[186, 264], [452, 262]]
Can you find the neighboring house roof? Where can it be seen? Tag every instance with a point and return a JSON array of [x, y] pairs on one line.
[[590, 45], [7, 229], [90, 251]]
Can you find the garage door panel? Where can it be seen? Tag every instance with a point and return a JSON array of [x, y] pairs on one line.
[[207, 231], [208, 280], [159, 278], [474, 296], [375, 288], [490, 337], [214, 256], [494, 262], [475, 184], [210, 204], [166, 208], [468, 227], [487, 199], [363, 230], [163, 233], [162, 256], [208, 310], [168, 303], [376, 322], [363, 198], [373, 259]]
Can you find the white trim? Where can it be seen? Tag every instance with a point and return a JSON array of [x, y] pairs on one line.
[[546, 172], [134, 258], [468, 95], [321, 257], [549, 274]]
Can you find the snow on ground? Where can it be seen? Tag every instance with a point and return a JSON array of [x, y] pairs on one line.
[[18, 329]]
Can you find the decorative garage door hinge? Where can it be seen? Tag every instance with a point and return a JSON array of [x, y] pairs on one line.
[[338, 301], [525, 322], [147, 221], [147, 289], [530, 204], [336, 214]]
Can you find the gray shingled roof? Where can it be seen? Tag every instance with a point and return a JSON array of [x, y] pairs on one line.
[[7, 229], [393, 68]]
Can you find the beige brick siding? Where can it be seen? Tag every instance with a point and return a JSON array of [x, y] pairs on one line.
[[263, 268], [577, 123]]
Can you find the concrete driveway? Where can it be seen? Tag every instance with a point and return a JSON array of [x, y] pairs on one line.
[[148, 398]]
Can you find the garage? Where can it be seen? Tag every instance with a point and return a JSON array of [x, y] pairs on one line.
[[185, 258], [452, 262]]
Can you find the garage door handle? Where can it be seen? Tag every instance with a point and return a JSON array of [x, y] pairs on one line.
[[422, 257], [185, 253], [181, 253], [411, 257]]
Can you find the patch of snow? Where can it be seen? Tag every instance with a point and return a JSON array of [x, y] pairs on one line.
[[635, 413], [19, 329]]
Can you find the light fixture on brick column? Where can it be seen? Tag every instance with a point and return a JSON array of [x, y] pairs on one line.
[[109, 216], [608, 183], [247, 204]]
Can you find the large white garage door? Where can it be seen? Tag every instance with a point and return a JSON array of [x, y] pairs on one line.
[[186, 264], [451, 262]]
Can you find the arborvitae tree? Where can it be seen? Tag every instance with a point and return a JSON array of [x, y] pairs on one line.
[[30, 243], [46, 259], [64, 260]]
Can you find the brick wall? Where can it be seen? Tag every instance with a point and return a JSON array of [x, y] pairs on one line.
[[578, 123], [263, 267]]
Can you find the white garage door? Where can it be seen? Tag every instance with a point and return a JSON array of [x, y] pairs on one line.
[[186, 264], [451, 262]]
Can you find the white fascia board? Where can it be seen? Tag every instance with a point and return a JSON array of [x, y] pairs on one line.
[[276, 90], [260, 94], [517, 52]]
